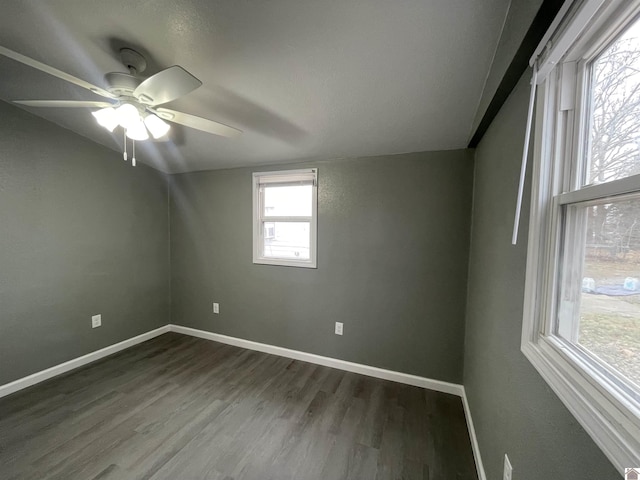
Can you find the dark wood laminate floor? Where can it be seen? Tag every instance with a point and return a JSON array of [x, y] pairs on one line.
[[178, 407]]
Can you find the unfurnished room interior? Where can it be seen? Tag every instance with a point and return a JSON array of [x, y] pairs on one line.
[[318, 239]]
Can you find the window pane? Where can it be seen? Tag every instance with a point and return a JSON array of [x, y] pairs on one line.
[[290, 240], [288, 201], [614, 143], [600, 299]]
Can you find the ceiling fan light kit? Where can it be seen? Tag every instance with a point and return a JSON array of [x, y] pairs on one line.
[[137, 131], [127, 115], [135, 124], [107, 117], [156, 125], [133, 100]]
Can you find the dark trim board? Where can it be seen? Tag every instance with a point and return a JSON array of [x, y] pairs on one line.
[[518, 65]]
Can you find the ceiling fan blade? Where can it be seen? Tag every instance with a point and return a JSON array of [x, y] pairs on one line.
[[166, 85], [63, 103], [198, 123], [53, 71]]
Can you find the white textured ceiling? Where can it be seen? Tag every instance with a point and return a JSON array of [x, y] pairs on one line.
[[303, 79]]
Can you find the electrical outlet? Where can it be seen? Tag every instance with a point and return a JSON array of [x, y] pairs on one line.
[[96, 321], [216, 308], [508, 469], [339, 328]]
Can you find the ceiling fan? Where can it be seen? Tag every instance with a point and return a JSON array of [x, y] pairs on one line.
[[133, 103]]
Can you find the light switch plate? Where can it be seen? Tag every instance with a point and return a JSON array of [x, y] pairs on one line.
[[96, 321]]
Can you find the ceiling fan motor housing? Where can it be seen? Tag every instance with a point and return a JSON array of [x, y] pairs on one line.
[[125, 83], [120, 83], [133, 60]]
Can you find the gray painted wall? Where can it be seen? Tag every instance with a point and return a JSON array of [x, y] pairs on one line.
[[81, 233], [513, 409], [393, 237]]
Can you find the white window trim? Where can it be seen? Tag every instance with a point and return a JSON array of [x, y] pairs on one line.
[[284, 176], [606, 413]]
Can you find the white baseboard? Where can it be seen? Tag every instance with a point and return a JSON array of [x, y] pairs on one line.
[[428, 383], [21, 383], [472, 435], [437, 385]]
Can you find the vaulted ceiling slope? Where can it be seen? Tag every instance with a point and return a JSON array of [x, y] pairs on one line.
[[303, 79]]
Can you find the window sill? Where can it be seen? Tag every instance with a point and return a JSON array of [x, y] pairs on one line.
[[611, 422], [284, 263]]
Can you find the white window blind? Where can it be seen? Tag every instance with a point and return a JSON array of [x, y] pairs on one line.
[[287, 178], [566, 28]]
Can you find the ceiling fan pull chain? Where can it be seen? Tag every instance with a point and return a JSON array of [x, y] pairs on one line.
[[125, 145], [133, 156]]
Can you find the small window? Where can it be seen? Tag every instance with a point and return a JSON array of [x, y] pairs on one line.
[[284, 218]]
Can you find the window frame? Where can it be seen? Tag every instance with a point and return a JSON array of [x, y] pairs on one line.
[[603, 409], [259, 219]]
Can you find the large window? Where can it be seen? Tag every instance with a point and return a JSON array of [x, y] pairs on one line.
[[581, 328], [284, 218]]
